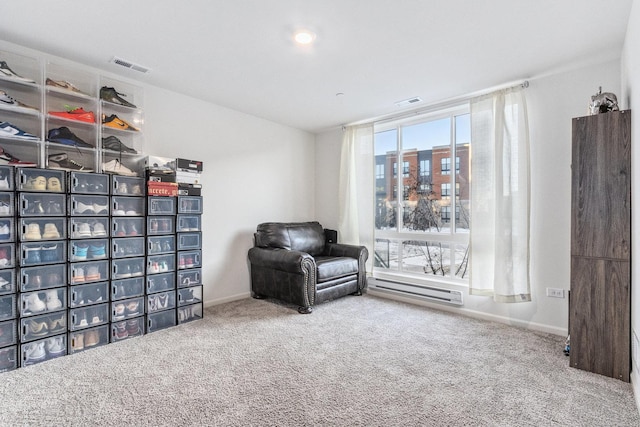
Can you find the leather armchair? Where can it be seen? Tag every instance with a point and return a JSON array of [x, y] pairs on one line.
[[293, 262]]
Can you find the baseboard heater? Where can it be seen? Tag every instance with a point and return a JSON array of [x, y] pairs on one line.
[[429, 292]]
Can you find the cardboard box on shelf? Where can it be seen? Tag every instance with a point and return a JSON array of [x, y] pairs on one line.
[[188, 177], [157, 163], [189, 189], [160, 176], [168, 189]]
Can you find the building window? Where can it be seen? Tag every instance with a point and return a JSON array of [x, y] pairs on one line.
[[380, 171], [429, 223], [445, 165]]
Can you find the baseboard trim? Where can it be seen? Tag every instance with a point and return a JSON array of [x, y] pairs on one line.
[[231, 298], [539, 327]]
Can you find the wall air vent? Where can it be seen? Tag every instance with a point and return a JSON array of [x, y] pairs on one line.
[[409, 101], [130, 65]]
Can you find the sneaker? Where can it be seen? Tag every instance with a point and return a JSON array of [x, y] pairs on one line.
[[64, 136], [57, 324], [114, 144], [8, 159], [53, 184], [100, 209], [35, 352], [114, 166], [62, 161], [109, 94], [136, 189], [83, 230], [92, 338], [77, 342], [93, 273], [97, 251], [7, 72], [116, 122], [34, 304], [85, 209], [4, 183], [37, 328], [120, 331], [7, 130], [123, 188], [78, 275], [4, 232], [50, 253], [77, 113], [38, 183], [33, 255], [118, 311], [50, 231], [63, 84], [133, 327], [98, 230], [53, 302], [33, 232], [5, 209], [8, 101], [80, 252], [53, 208], [55, 346], [132, 308]]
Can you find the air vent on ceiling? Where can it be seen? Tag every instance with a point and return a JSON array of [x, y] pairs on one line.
[[409, 101], [130, 65]]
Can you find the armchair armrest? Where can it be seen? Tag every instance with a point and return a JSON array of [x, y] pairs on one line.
[[281, 259], [341, 249]]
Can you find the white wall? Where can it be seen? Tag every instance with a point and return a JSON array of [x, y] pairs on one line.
[[254, 171], [631, 99], [552, 101]]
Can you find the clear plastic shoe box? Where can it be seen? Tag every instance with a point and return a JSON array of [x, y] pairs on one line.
[[43, 277], [190, 295], [88, 272], [39, 253], [43, 301], [157, 225], [8, 333], [127, 186], [88, 205], [47, 204], [189, 313], [89, 294], [161, 301], [161, 320], [7, 178], [190, 204], [161, 263], [125, 247], [161, 282], [7, 257], [88, 183], [189, 277], [8, 358], [127, 309], [7, 230], [159, 205], [189, 259], [157, 245], [127, 206], [34, 179], [189, 241], [7, 204], [127, 226], [188, 223], [127, 288], [127, 267], [8, 307], [43, 350], [89, 227], [85, 250], [38, 229], [126, 329], [87, 317], [86, 339], [36, 327], [7, 281]]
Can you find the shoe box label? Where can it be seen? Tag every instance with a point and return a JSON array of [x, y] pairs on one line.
[[188, 178], [189, 189], [188, 165], [158, 176]]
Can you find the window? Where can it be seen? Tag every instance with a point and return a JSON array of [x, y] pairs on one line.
[[416, 230], [380, 171], [445, 165]]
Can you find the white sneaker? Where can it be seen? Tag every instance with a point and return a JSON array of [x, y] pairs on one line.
[[114, 166], [35, 304], [4, 231], [84, 230], [53, 302], [4, 183], [51, 231], [99, 230], [35, 351], [33, 232]]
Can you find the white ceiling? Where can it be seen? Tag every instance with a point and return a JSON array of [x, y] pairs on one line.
[[240, 54]]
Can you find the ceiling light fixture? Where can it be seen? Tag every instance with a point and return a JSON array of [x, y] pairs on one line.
[[304, 37]]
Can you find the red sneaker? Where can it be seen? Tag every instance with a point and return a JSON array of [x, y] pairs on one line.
[[76, 114]]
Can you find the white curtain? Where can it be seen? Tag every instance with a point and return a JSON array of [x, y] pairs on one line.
[[355, 221], [500, 196]]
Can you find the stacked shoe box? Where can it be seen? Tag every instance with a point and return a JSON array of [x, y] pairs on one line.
[[161, 263], [41, 253], [88, 228], [8, 289], [189, 228], [188, 177], [128, 206], [161, 176]]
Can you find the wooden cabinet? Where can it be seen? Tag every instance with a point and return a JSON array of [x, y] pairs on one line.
[[600, 304]]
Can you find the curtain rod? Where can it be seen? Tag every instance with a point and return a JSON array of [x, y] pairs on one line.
[[449, 102]]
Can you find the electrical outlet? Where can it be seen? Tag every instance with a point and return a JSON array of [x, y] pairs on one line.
[[555, 292]]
